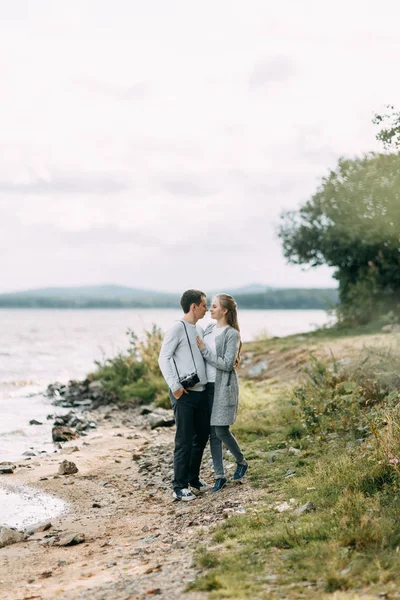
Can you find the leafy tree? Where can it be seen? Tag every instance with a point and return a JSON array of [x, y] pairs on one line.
[[389, 134], [352, 223]]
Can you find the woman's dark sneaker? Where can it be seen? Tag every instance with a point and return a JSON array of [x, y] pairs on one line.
[[240, 472], [219, 484], [199, 487], [183, 494]]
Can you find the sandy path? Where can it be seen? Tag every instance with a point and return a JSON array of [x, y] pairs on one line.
[[138, 543]]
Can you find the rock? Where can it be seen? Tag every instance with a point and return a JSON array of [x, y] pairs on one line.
[[6, 467], [10, 536], [39, 528], [63, 434], [305, 508], [289, 473], [67, 468], [34, 422], [70, 539], [283, 506], [96, 505], [157, 421], [258, 368], [83, 403], [95, 386], [70, 450], [28, 453], [294, 451]]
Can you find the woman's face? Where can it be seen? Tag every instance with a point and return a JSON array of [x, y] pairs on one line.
[[216, 310]]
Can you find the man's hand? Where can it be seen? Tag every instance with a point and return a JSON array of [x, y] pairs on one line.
[[178, 393], [200, 344]]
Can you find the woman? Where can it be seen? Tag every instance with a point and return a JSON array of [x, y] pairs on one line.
[[220, 348]]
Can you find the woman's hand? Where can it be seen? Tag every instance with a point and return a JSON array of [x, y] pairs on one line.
[[200, 344]]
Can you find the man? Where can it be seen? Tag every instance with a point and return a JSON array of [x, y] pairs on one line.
[[179, 357]]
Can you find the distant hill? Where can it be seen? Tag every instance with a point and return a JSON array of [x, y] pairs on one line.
[[87, 291], [254, 296], [253, 288]]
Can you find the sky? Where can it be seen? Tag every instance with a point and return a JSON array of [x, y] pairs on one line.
[[155, 144]]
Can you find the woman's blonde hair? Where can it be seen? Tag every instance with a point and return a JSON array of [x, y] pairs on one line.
[[227, 302]]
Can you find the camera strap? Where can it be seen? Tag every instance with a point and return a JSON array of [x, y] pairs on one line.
[[191, 352]]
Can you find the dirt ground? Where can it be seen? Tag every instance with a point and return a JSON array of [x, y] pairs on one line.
[[139, 543]]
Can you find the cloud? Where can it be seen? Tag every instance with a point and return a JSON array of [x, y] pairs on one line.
[[139, 91], [140, 146], [186, 185], [272, 70], [67, 183]]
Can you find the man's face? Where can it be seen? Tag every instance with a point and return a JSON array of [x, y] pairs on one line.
[[200, 309]]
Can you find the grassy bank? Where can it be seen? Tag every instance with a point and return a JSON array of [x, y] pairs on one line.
[[321, 429], [325, 451]]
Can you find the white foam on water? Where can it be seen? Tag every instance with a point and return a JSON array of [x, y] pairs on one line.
[[22, 506]]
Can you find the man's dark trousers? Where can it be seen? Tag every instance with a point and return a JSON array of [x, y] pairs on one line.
[[192, 418]]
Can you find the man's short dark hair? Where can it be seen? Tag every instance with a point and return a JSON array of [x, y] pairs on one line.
[[189, 297]]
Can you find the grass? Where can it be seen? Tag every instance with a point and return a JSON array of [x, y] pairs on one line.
[[338, 430]]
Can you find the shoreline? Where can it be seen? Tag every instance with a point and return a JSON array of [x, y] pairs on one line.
[[134, 540]]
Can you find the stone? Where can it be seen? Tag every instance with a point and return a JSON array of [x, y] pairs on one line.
[[70, 539], [258, 368], [157, 421], [34, 422], [10, 536], [6, 468], [67, 468], [290, 473], [305, 508], [95, 386], [283, 506], [294, 451], [38, 527], [70, 450], [63, 434]]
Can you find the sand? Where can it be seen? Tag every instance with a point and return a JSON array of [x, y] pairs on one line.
[[138, 542]]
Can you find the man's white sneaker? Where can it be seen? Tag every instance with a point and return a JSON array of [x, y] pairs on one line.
[[183, 494], [201, 486]]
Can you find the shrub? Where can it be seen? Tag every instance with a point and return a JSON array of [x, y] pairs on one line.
[[134, 376]]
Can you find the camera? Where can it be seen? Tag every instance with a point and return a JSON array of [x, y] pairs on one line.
[[189, 381]]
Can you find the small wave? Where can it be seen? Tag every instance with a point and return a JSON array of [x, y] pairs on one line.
[[13, 433], [22, 383]]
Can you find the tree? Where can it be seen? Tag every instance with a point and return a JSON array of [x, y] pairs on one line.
[[352, 223], [389, 134]]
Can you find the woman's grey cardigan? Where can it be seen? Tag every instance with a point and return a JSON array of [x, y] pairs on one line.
[[226, 394]]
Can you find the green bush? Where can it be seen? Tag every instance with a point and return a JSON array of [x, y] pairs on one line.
[[134, 376]]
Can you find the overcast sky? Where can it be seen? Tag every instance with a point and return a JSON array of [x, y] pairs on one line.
[[155, 143]]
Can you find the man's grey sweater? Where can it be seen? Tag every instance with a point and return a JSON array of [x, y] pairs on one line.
[[175, 346]]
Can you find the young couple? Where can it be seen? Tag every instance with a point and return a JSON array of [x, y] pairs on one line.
[[199, 369]]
